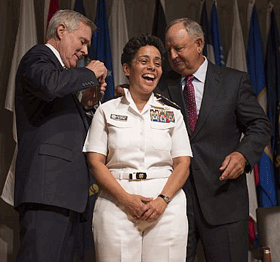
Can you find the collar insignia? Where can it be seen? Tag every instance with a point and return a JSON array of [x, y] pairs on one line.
[[165, 101]]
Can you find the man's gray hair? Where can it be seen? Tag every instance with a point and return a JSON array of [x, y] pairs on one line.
[[70, 19], [192, 27]]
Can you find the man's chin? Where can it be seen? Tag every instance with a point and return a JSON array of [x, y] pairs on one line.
[[179, 68]]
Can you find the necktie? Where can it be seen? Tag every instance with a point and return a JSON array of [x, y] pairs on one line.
[[190, 102]]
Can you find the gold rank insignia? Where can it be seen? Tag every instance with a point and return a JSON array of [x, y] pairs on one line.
[[94, 189], [165, 101]]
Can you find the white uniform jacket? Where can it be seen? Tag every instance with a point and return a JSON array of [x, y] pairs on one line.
[[143, 141]]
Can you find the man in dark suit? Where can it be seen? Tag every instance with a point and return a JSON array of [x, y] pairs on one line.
[[225, 107], [52, 177]]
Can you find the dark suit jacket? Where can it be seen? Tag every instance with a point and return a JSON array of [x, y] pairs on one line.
[[51, 127], [228, 108]]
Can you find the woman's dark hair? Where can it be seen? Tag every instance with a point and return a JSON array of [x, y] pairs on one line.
[[133, 45]]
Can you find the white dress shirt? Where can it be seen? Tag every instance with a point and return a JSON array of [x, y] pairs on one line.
[[198, 83], [56, 54]]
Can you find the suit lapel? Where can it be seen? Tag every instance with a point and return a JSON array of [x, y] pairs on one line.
[[211, 89]]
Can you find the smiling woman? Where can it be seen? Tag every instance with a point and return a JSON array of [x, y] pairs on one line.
[[144, 74], [135, 153], [142, 64]]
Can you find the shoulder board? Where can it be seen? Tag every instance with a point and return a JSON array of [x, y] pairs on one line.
[[164, 100]]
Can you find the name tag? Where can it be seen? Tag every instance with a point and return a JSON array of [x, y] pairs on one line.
[[162, 116], [118, 117]]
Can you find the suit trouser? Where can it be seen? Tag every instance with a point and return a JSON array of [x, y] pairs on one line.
[[47, 233], [221, 243], [118, 237]]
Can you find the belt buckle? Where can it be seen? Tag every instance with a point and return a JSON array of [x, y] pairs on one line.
[[138, 176]]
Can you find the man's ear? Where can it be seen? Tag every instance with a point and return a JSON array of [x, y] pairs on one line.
[[60, 31], [199, 43], [126, 69]]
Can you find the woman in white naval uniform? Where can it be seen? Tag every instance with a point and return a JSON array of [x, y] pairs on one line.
[[135, 152]]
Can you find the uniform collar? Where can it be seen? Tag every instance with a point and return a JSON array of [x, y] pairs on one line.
[[152, 102]]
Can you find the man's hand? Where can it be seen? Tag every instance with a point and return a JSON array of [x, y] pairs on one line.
[[98, 69], [233, 166]]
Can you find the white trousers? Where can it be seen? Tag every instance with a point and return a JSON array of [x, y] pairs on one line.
[[120, 238]]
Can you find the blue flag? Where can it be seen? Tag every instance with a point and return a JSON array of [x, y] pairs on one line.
[[208, 45], [101, 48], [272, 66], [266, 190], [215, 33]]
